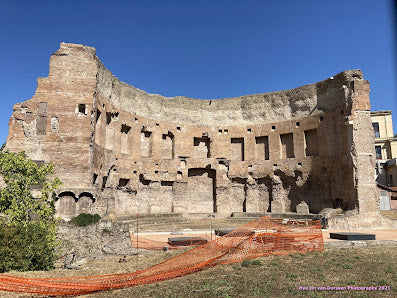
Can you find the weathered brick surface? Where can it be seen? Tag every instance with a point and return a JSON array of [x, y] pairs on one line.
[[120, 150]]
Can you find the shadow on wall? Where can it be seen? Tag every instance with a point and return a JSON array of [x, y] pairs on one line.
[[314, 190]]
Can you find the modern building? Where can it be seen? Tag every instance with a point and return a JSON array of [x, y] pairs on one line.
[[386, 158], [385, 140], [385, 147]]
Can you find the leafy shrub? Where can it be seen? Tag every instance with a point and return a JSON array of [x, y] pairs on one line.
[[27, 223], [25, 247], [85, 219]]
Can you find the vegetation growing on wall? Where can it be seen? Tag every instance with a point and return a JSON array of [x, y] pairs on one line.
[[85, 219], [27, 223]]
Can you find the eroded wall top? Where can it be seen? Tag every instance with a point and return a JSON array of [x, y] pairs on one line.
[[262, 108]]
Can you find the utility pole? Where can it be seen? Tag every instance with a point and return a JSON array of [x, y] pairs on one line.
[[137, 243], [211, 230]]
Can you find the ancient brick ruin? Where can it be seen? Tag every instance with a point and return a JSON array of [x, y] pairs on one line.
[[123, 151]]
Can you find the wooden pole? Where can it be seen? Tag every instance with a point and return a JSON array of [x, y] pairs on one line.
[[137, 243], [211, 229]]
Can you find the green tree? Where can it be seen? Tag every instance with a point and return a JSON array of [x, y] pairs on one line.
[[28, 223]]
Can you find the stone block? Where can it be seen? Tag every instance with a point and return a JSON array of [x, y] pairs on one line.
[[302, 208], [278, 207]]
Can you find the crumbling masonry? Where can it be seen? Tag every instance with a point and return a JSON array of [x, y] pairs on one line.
[[120, 150]]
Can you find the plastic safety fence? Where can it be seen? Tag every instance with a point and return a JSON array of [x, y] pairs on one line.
[[261, 237]]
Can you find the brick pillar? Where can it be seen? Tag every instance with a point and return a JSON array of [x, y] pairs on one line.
[[362, 148]]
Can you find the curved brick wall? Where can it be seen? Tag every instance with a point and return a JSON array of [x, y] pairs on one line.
[[121, 150]]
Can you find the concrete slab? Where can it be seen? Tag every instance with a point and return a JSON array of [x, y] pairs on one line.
[[186, 241], [352, 236], [223, 232], [384, 234]]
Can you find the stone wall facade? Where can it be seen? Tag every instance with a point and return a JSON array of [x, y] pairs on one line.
[[96, 240], [123, 151]]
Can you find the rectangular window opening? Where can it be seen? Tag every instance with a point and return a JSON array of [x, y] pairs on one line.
[[42, 108], [168, 146], [311, 142], [237, 146], [125, 139], [262, 148], [287, 145], [54, 124], [378, 151], [104, 179], [82, 109], [123, 182], [375, 125], [146, 143], [41, 125], [202, 147]]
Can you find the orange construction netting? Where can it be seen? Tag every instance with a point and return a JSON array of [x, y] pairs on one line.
[[261, 237]]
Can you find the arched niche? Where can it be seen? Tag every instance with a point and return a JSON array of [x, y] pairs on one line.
[[65, 204], [85, 202]]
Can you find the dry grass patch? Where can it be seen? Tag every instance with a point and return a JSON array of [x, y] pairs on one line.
[[392, 214], [273, 276]]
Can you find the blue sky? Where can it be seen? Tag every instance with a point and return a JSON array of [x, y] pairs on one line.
[[203, 49]]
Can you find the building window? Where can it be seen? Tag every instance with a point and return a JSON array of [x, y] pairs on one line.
[[262, 148], [42, 108], [311, 142], [378, 151], [237, 146], [201, 147], [146, 143], [82, 109], [168, 146], [54, 124], [287, 145], [376, 129]]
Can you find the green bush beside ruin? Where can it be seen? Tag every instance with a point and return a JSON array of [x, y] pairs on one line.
[[27, 224], [85, 219], [25, 247]]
